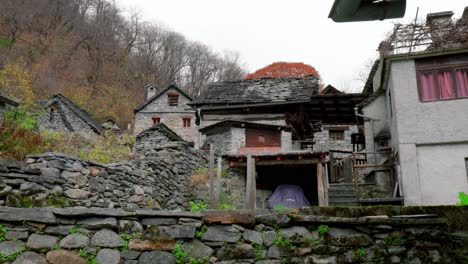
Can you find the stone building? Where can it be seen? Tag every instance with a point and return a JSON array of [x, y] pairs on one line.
[[6, 103], [110, 125], [64, 115], [168, 106]]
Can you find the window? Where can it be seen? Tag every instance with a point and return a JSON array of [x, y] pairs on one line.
[[156, 120], [53, 108], [443, 78], [336, 134], [261, 139], [186, 121], [173, 99]]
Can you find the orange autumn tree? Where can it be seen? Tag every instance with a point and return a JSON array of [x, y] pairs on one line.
[[284, 69]]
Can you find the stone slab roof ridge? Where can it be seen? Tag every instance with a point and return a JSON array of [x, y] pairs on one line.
[[159, 94]]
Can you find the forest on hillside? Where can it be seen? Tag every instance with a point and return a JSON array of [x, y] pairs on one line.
[[91, 52]]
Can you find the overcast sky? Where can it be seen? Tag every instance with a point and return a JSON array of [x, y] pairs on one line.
[[265, 31]]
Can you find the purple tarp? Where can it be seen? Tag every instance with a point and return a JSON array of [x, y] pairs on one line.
[[288, 195]]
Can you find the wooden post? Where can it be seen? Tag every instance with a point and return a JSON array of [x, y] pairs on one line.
[[250, 192], [332, 168], [326, 181], [212, 184], [218, 182], [320, 184], [355, 175]]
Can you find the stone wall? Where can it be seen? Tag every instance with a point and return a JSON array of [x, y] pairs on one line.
[[324, 143], [113, 236]]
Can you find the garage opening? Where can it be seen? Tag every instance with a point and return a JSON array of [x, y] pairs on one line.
[[268, 178]]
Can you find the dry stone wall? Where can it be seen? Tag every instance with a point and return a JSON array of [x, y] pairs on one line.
[[143, 236]]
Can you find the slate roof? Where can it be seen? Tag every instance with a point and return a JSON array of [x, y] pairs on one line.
[[369, 86], [330, 89], [157, 95], [8, 100], [81, 113], [163, 129], [109, 123], [261, 90]]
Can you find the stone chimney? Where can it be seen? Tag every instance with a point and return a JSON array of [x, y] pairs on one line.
[[150, 91], [439, 24]]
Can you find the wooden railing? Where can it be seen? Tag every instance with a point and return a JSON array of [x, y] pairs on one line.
[[358, 165]]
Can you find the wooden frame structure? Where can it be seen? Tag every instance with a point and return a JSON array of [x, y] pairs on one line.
[[252, 160]]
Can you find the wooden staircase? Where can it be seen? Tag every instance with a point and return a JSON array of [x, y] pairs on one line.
[[342, 194]]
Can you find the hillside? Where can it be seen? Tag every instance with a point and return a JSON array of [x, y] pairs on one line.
[[88, 51]]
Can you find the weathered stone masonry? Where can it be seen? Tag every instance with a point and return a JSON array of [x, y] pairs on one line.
[[143, 236]]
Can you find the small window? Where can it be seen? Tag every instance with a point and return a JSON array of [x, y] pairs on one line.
[[156, 120], [53, 108], [186, 121], [173, 99], [336, 134]]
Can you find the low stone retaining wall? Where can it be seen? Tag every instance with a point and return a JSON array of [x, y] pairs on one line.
[[143, 236]]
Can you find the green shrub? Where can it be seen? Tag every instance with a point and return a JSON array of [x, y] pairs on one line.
[[280, 207], [323, 230], [283, 241], [11, 257], [360, 252], [195, 207], [90, 257], [463, 199], [199, 233], [3, 231]]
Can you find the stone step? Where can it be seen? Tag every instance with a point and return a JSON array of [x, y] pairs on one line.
[[343, 200]]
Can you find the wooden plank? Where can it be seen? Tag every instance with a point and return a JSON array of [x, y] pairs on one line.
[[212, 183], [320, 181], [355, 174], [332, 167], [250, 191], [218, 182], [326, 182]]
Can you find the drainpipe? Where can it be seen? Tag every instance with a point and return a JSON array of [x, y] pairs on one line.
[[371, 119]]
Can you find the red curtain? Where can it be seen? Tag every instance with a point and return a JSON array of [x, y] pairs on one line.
[[462, 82], [428, 89], [445, 84]]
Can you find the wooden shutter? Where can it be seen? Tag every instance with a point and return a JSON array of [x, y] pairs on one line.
[[255, 137]]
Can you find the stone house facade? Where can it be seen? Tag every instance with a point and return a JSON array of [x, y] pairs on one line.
[[168, 106], [61, 114], [418, 110]]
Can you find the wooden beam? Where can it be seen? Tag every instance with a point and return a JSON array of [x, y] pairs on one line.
[[218, 182], [320, 184], [250, 191], [303, 161], [212, 184]]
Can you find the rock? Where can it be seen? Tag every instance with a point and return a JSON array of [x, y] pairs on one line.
[[61, 230], [75, 178], [16, 235], [93, 211], [130, 227], [222, 234], [319, 259], [77, 166], [190, 222], [50, 173], [98, 223], [130, 254], [395, 259], [9, 247], [29, 188], [177, 231], [348, 237], [159, 221], [58, 164], [396, 250], [6, 190], [234, 251], [136, 198], [106, 238], [253, 237], [38, 242], [108, 256], [130, 261], [137, 190], [29, 257], [75, 241], [245, 218], [269, 238], [165, 244], [76, 194], [63, 256], [296, 234], [434, 255], [159, 257], [274, 252], [269, 261], [273, 219], [197, 249]]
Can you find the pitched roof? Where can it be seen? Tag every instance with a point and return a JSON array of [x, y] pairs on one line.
[[81, 113], [109, 123], [260, 90], [157, 95], [330, 90], [238, 123], [163, 129], [369, 86], [8, 100]]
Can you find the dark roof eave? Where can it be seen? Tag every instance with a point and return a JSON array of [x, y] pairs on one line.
[[242, 124]]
